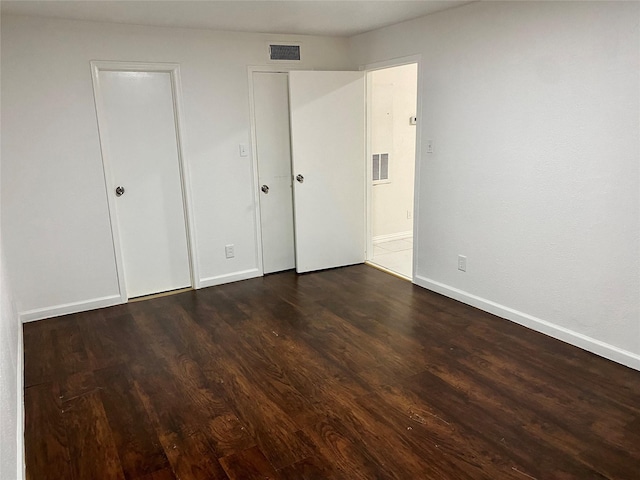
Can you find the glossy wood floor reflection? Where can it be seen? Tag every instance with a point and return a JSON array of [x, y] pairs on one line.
[[342, 374]]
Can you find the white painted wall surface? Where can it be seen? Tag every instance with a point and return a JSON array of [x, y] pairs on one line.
[[533, 108], [54, 208], [393, 101], [10, 381]]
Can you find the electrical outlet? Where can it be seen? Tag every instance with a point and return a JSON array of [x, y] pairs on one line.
[[229, 251], [462, 263]]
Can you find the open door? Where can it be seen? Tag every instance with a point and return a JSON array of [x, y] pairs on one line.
[[328, 157]]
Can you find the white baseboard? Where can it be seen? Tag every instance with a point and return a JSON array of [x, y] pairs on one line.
[[83, 306], [392, 236], [619, 355], [20, 464], [67, 308], [230, 277]]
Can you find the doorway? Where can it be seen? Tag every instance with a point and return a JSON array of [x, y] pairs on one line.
[[139, 128], [392, 116], [316, 137]]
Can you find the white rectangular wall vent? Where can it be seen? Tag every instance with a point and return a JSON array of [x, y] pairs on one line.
[[284, 52], [380, 167]]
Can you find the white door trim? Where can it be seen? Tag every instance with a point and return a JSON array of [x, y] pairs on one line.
[[368, 68], [174, 71], [254, 153]]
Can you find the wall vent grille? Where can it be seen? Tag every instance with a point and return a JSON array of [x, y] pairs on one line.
[[284, 52], [380, 167]]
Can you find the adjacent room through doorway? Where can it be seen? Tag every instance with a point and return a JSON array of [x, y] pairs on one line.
[[392, 116]]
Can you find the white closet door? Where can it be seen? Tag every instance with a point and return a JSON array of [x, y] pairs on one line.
[[273, 148], [141, 146], [328, 145]]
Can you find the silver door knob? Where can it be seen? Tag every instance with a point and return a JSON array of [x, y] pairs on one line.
[[119, 191], [300, 178], [265, 189]]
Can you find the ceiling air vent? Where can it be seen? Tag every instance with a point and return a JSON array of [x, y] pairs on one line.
[[284, 52]]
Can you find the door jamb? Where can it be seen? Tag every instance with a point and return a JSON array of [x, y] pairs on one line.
[[174, 72], [368, 68]]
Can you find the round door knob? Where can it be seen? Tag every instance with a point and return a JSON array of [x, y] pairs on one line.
[[265, 189], [300, 178], [119, 191]]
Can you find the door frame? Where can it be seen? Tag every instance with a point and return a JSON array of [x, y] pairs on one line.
[[173, 69], [254, 151], [368, 68]]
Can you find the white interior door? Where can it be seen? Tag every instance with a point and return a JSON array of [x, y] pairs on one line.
[[328, 151], [273, 149], [139, 137]]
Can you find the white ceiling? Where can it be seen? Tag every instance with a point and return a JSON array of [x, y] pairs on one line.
[[313, 17]]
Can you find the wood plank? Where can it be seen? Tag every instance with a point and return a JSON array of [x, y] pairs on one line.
[[271, 428], [414, 419], [164, 474], [180, 399], [102, 340], [137, 443], [506, 430], [247, 465], [46, 452], [39, 354], [53, 351], [340, 342], [92, 450], [308, 469], [228, 435], [191, 456], [75, 385]]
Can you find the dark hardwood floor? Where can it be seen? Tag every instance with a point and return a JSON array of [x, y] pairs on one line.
[[343, 374]]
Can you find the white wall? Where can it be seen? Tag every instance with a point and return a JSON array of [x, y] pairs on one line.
[[534, 113], [11, 430], [393, 101], [54, 206]]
